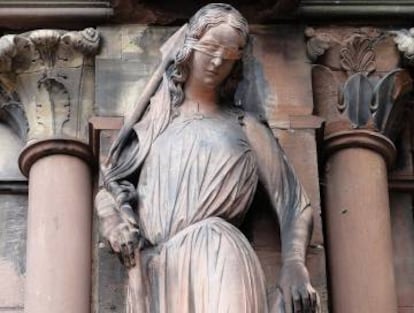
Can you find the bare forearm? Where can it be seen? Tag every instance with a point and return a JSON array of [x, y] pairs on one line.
[[295, 236]]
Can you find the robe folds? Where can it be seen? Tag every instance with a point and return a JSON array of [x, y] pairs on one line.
[[195, 187], [197, 177]]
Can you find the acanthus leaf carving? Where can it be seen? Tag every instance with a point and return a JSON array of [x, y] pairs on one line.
[[7, 52], [358, 56], [357, 95], [26, 54], [388, 106], [12, 113], [46, 43], [356, 43], [372, 89], [86, 41], [317, 44], [369, 103], [52, 106], [47, 69]]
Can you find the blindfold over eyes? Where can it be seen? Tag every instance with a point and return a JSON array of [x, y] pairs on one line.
[[217, 50]]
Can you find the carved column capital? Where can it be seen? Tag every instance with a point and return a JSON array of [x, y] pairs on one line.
[[352, 50], [357, 82], [47, 75], [46, 85]]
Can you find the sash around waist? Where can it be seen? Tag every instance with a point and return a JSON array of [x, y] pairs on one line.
[[214, 220]]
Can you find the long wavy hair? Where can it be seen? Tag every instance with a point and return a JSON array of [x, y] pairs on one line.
[[120, 178]]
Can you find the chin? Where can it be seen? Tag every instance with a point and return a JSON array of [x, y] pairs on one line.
[[210, 83]]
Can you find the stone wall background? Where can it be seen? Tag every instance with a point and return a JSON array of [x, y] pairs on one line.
[[402, 218], [13, 214]]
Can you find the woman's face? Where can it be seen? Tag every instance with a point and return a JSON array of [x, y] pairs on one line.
[[215, 54]]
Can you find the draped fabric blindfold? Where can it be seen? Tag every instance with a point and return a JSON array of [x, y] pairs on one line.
[[217, 50]]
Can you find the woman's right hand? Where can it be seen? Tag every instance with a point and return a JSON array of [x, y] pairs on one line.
[[124, 238]]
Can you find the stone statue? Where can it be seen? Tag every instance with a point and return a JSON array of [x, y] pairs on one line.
[[180, 178]]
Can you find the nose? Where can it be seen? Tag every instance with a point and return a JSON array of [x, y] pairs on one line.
[[217, 61]]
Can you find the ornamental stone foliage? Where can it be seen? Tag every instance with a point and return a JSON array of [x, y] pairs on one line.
[[46, 82]]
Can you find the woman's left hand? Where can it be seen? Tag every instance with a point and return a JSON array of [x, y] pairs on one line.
[[295, 294]]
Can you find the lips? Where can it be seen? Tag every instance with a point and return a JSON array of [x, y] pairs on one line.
[[211, 72]]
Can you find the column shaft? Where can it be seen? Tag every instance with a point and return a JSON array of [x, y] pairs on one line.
[[359, 232], [59, 236]]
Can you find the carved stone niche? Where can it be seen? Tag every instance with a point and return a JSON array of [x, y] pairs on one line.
[[46, 83], [357, 81]]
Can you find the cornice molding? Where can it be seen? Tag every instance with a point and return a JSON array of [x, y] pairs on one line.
[[357, 9], [32, 14]]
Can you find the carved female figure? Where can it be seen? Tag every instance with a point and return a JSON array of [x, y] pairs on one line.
[[181, 180]]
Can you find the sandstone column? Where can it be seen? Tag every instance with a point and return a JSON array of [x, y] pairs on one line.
[[358, 224], [360, 94], [50, 73]]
